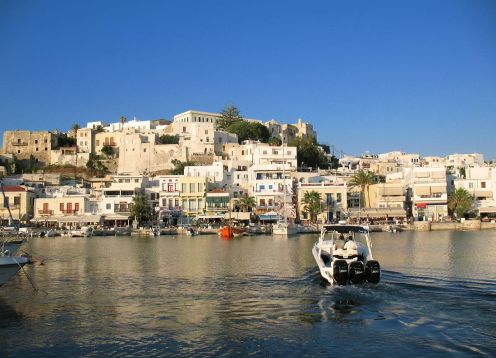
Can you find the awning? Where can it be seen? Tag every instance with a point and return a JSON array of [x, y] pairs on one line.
[[392, 191], [116, 217], [483, 194], [43, 219], [487, 210], [438, 189], [378, 212], [266, 217], [80, 219], [213, 216], [421, 205], [438, 174], [422, 190]]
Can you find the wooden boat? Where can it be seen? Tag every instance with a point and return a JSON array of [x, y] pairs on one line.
[[229, 232]]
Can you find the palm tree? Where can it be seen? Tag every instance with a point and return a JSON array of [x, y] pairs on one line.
[[75, 127], [312, 204], [362, 179], [460, 202], [122, 120], [246, 202]]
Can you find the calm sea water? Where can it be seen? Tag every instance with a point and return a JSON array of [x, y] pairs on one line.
[[182, 296]]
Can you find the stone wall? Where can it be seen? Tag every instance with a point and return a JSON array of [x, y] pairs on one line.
[[30, 148]]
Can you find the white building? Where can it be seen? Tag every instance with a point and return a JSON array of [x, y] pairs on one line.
[[454, 161], [429, 193], [116, 201], [480, 182]]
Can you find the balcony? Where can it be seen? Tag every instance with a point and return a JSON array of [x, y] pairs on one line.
[[18, 144], [45, 212], [69, 212]]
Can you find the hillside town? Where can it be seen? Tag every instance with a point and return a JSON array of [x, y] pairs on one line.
[[206, 168]]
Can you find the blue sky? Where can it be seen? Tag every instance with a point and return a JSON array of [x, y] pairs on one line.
[[418, 76]]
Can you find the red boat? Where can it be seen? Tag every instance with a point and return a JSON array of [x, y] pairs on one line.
[[229, 232]]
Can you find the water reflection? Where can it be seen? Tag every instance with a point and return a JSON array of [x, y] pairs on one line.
[[203, 295]]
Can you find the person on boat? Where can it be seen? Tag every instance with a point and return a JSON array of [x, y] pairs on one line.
[[339, 243], [350, 246]]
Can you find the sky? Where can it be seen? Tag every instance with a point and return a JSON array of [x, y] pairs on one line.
[[417, 76]]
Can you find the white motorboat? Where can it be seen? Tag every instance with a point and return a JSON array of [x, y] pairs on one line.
[[9, 264], [284, 229], [84, 231], [344, 255]]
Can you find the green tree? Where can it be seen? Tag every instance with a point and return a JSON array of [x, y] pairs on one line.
[[309, 153], [108, 150], [122, 120], [275, 141], [363, 179], [312, 204], [249, 130], [75, 127], [246, 202], [179, 166], [168, 139], [229, 115], [460, 202], [141, 209], [95, 166], [99, 128]]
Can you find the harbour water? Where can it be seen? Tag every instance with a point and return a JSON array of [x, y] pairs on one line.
[[260, 295]]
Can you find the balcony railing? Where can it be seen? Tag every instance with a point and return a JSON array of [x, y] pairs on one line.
[[45, 212], [19, 143], [69, 212]]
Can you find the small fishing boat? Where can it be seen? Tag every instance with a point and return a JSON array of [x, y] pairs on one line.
[[229, 232], [9, 264], [346, 260]]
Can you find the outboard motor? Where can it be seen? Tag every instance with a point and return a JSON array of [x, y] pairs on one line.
[[356, 272], [340, 272], [372, 271]]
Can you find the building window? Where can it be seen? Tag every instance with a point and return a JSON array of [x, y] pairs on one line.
[[36, 141], [108, 206], [61, 207], [483, 184], [470, 185], [338, 197], [17, 200], [76, 207], [262, 202], [192, 187]]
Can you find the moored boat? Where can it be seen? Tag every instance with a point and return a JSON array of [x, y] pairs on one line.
[[229, 232], [9, 264], [284, 229]]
